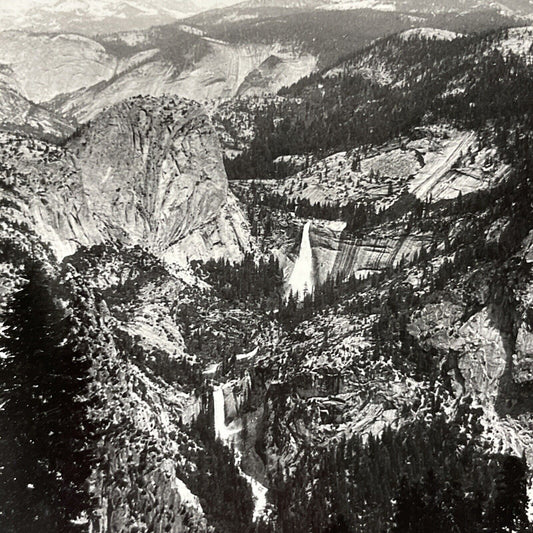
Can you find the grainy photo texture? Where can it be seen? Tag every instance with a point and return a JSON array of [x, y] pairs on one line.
[[266, 266]]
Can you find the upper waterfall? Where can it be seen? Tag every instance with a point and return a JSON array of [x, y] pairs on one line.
[[301, 280]]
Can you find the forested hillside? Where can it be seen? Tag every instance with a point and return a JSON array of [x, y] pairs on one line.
[[332, 35], [467, 81], [337, 339]]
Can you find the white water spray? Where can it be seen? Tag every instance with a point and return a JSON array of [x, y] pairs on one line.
[[219, 415], [223, 432], [301, 280], [259, 493]]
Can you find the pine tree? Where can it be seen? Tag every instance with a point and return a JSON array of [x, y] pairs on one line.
[[42, 421], [508, 511]]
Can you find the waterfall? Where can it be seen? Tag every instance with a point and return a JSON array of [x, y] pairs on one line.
[[259, 493], [301, 279], [219, 414], [224, 433]]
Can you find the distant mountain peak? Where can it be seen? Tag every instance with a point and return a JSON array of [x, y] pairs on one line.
[[523, 7], [100, 16]]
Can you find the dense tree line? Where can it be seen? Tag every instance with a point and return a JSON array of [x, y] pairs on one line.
[[357, 215], [180, 48], [432, 475], [435, 475], [324, 114], [176, 371], [47, 436], [331, 35], [252, 288], [260, 281]]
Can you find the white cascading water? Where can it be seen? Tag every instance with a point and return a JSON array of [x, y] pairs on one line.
[[219, 415], [259, 493], [224, 433], [301, 280]]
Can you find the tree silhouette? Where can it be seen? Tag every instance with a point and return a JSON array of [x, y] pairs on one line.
[[510, 502], [43, 424]]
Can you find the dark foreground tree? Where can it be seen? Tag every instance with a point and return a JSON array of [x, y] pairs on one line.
[[43, 415], [508, 510]]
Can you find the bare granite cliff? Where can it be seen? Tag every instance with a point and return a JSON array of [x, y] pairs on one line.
[[17, 113], [146, 172], [337, 252], [152, 170], [46, 64], [225, 71]]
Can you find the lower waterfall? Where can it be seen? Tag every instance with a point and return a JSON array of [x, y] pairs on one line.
[[225, 433]]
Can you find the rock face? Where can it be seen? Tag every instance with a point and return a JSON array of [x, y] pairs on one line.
[[430, 34], [17, 113], [222, 72], [337, 252], [48, 65], [77, 77], [138, 482], [484, 358], [523, 359], [42, 191], [481, 346], [226, 70], [154, 78], [146, 172], [277, 71]]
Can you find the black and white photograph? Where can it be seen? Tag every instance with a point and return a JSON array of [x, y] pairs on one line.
[[266, 266]]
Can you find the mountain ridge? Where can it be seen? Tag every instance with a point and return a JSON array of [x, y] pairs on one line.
[[387, 389], [178, 211], [100, 16]]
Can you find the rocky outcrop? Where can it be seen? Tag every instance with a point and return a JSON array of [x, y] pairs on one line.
[[148, 172], [137, 480], [481, 347], [277, 72], [78, 77], [48, 65], [484, 355], [429, 34], [337, 252], [522, 363], [222, 72], [157, 179], [523, 356], [226, 70], [227, 235], [153, 77], [19, 114]]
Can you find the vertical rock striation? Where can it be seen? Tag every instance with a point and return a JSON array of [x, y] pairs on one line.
[[146, 172]]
